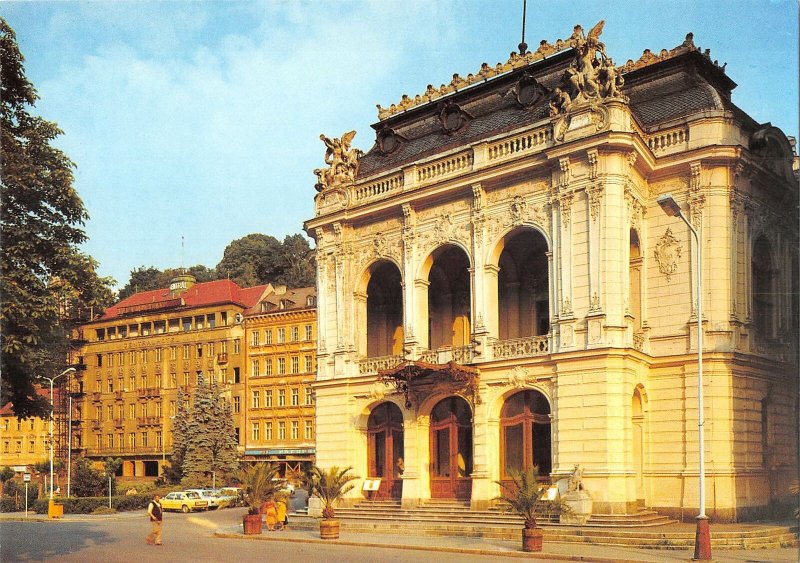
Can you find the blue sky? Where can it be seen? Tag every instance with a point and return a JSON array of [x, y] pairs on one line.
[[202, 119]]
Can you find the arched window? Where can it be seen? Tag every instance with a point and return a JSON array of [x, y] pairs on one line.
[[525, 434], [635, 281], [763, 288], [522, 286]]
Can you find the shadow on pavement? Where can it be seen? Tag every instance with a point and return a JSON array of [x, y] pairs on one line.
[[20, 541]]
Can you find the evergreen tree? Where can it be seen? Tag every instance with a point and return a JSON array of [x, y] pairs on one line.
[[204, 440], [174, 473]]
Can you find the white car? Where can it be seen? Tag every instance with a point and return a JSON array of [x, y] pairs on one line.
[[214, 501]]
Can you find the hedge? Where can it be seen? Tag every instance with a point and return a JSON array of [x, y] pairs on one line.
[[85, 505]]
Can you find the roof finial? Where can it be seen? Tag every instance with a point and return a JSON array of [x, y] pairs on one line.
[[183, 270], [523, 47]]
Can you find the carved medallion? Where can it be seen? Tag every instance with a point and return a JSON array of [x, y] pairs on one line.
[[667, 252]]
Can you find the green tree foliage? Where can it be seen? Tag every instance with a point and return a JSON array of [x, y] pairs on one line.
[[110, 469], [174, 473], [257, 480], [6, 473], [146, 278], [259, 259], [204, 440], [86, 480], [48, 284]]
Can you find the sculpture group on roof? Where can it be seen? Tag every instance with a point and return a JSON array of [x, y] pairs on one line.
[[342, 162], [590, 76]]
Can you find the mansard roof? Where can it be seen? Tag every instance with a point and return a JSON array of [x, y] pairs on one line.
[[676, 84], [283, 299]]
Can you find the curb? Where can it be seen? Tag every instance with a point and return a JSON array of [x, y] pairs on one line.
[[434, 548]]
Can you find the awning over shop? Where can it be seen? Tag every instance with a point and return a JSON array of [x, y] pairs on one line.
[[280, 451], [416, 380]]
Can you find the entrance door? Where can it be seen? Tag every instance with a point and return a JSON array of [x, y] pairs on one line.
[[451, 449], [385, 429], [525, 436]]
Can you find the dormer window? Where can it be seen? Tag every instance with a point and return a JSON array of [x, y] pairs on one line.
[[311, 301], [452, 117], [388, 141]]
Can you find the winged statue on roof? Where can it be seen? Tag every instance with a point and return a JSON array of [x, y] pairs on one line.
[[342, 161]]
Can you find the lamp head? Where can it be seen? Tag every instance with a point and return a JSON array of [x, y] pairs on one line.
[[669, 205]]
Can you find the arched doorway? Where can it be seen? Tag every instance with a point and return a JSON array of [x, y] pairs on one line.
[[451, 449], [386, 454], [637, 421], [525, 435]]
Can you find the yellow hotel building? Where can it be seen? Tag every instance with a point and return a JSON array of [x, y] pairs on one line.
[[280, 341], [146, 347]]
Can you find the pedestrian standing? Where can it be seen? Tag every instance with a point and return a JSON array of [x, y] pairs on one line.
[[156, 514], [281, 519]]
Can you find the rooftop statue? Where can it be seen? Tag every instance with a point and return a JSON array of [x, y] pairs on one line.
[[591, 76], [342, 162]]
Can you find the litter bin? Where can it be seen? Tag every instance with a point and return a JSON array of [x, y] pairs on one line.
[[55, 509]]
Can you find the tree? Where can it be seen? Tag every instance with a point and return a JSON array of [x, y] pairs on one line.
[[174, 473], [86, 481], [6, 473], [259, 259], [110, 472], [210, 438], [41, 223]]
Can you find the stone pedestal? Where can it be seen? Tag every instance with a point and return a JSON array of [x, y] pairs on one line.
[[581, 504], [315, 507]]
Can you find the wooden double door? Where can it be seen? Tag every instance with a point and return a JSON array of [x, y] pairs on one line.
[[386, 452], [451, 449]]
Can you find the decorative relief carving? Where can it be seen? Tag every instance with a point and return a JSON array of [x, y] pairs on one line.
[[594, 194], [519, 378], [519, 210], [667, 252], [565, 204], [566, 307], [592, 157], [649, 58], [594, 304], [695, 198], [477, 197]]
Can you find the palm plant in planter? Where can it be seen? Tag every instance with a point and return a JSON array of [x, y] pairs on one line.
[[258, 485], [527, 497], [330, 486]]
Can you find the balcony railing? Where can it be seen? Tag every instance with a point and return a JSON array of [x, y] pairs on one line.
[[368, 366], [459, 354], [222, 358], [96, 397], [521, 347], [149, 392], [148, 421]]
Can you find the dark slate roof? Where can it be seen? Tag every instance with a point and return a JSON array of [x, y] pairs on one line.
[[660, 92]]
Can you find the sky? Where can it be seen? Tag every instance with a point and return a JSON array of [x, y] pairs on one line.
[[201, 119]]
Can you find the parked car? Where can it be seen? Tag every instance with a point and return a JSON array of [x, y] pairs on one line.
[[210, 496], [284, 486], [233, 495], [185, 501]]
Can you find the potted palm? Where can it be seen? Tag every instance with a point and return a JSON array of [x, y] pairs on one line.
[[257, 483], [330, 486], [527, 497]]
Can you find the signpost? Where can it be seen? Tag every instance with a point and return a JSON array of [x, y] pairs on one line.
[[26, 477]]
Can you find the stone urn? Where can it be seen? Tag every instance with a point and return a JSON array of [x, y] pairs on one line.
[[580, 504], [329, 529], [532, 539]]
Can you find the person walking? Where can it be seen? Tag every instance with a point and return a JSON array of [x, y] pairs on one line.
[[156, 514]]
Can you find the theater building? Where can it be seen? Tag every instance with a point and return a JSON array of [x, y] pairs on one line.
[[499, 288]]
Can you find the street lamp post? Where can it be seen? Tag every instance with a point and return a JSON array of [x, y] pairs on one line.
[[702, 541], [52, 411]]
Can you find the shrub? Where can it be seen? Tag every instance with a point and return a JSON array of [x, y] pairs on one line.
[[104, 510], [10, 505], [88, 505]]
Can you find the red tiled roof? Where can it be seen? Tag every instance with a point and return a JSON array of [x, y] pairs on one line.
[[200, 294]]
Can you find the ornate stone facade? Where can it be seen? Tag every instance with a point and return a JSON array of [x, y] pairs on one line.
[[512, 228]]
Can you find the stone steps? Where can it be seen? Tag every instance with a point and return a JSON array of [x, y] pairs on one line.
[[757, 538]]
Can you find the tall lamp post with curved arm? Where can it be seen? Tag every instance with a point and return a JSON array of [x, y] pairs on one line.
[[702, 542], [52, 411]]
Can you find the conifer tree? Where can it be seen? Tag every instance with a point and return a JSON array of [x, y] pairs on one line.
[[174, 473], [210, 443]]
